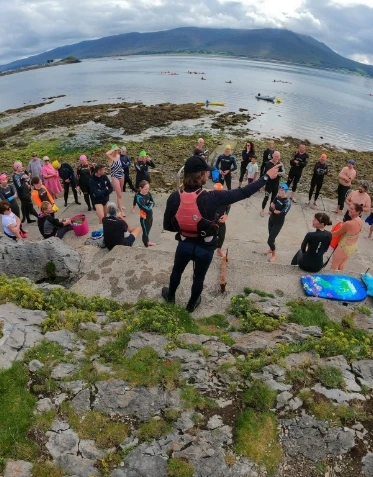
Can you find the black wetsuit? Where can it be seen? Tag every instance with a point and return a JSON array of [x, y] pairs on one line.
[[296, 170], [142, 171], [226, 163], [272, 185], [51, 227], [24, 193], [310, 257], [8, 193], [319, 171], [246, 158], [66, 173], [200, 250], [276, 221], [267, 156], [146, 204], [126, 163], [83, 173], [222, 210], [100, 188]]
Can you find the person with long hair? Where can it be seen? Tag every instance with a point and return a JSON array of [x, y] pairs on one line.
[[349, 233], [310, 257], [246, 154], [117, 174]]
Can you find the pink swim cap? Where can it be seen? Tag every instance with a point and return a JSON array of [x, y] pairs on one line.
[[3, 177], [83, 157], [17, 164]]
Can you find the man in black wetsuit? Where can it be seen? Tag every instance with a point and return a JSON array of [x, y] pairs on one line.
[[66, 173], [271, 187], [267, 155], [297, 164], [278, 209], [227, 164], [319, 171], [192, 213]]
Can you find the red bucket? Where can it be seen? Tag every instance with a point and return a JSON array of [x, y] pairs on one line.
[[80, 224]]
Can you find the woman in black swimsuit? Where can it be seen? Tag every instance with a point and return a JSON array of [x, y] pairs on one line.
[[310, 257], [83, 173]]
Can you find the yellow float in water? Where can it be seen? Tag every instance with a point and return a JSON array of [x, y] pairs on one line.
[[278, 100], [210, 103]]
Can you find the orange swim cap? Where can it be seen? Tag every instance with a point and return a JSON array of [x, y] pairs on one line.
[[218, 186]]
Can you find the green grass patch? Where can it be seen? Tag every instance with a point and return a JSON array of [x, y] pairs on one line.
[[16, 414], [260, 396], [308, 313], [364, 310], [179, 468], [46, 352], [43, 422], [46, 469], [261, 293], [146, 368], [192, 399], [99, 427], [257, 439], [251, 316], [330, 376], [69, 319], [154, 429]]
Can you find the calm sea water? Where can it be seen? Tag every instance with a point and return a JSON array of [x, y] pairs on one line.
[[316, 103]]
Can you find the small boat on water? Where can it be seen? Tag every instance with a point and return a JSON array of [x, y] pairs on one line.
[[266, 98]]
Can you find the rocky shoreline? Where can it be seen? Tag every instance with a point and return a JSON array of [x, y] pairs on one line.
[[167, 131]]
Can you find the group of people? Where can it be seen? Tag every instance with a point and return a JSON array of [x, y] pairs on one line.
[[196, 215], [38, 185]]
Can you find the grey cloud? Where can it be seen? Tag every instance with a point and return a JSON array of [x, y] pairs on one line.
[[30, 28]]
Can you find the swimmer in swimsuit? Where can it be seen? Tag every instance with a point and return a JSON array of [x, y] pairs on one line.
[[349, 233], [117, 174]]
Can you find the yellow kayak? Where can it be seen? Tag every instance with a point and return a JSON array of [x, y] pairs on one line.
[[210, 103]]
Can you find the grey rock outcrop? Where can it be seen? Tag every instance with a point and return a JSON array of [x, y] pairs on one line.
[[77, 466], [19, 259], [364, 371], [21, 331], [368, 465], [314, 439], [18, 468]]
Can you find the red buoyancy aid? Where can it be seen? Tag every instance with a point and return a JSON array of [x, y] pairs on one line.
[[190, 222]]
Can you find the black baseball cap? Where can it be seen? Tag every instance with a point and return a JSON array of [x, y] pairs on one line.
[[196, 164]]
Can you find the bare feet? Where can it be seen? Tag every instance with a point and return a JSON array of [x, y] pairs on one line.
[[267, 252], [262, 213], [220, 252], [134, 210], [273, 258], [151, 244]]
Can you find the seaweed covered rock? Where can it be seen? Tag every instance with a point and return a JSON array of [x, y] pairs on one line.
[[47, 259]]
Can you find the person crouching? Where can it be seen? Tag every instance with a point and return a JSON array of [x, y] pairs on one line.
[[116, 229], [49, 226]]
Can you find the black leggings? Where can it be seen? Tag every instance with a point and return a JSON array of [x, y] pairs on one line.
[[66, 188], [146, 225], [221, 235], [273, 230], [294, 177], [315, 182], [342, 194], [244, 165], [227, 179], [271, 189], [128, 180], [27, 209]]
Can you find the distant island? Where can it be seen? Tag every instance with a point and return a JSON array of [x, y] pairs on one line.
[[65, 61], [261, 44]]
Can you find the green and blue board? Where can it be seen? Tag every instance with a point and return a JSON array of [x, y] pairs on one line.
[[334, 287]]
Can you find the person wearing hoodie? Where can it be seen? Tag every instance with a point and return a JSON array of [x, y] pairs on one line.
[[101, 188]]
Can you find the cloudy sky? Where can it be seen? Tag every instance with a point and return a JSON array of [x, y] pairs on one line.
[[29, 27]]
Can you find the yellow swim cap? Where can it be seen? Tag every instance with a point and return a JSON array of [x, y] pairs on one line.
[[56, 164], [228, 146]]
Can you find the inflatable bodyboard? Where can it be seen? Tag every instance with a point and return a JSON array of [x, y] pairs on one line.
[[334, 287]]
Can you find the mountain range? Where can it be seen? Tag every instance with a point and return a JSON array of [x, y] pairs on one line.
[[265, 44]]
